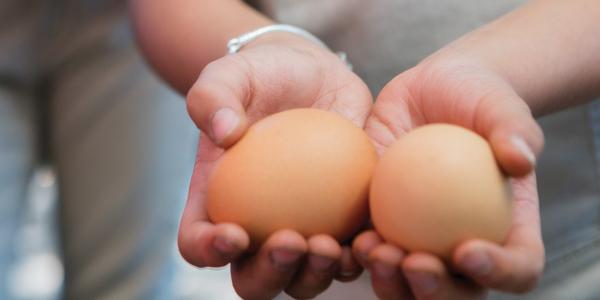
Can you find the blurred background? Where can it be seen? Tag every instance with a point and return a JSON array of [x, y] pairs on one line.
[[51, 55], [37, 273]]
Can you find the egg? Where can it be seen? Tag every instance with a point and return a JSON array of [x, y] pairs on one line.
[[437, 186], [303, 169]]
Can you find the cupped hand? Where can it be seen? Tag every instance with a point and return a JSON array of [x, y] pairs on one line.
[[276, 72], [465, 92]]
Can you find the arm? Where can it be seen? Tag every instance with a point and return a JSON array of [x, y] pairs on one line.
[[548, 50], [180, 37]]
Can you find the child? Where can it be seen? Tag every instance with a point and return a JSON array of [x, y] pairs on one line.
[[489, 81]]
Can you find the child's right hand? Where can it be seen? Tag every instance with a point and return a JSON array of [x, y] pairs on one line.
[[276, 72]]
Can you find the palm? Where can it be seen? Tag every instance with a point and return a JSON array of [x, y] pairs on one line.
[[409, 104], [302, 82]]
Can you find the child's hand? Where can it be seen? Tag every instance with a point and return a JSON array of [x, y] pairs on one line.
[[461, 91], [274, 73]]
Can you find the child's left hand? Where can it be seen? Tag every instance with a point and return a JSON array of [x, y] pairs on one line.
[[456, 90]]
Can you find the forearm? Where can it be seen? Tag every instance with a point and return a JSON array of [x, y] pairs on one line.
[[548, 50], [180, 37]]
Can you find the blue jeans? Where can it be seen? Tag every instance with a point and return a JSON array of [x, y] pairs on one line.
[[73, 86]]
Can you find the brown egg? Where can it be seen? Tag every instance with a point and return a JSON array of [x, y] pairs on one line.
[[302, 169], [437, 186]]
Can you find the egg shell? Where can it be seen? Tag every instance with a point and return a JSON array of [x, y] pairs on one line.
[[437, 186], [302, 169]]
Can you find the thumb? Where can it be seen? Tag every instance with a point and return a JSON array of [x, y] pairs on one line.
[[217, 99], [507, 123]]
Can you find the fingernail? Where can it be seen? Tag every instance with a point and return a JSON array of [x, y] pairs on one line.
[[477, 263], [284, 259], [223, 123], [346, 274], [425, 283], [384, 271], [524, 148], [224, 246], [320, 263]]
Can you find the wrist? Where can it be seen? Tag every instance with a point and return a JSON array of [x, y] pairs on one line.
[[471, 54]]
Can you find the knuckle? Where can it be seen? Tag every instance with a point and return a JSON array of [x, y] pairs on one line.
[[248, 293], [243, 292], [530, 280], [310, 287], [201, 88], [302, 293], [188, 255], [193, 102]]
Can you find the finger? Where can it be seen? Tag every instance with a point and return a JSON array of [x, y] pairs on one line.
[[506, 122], [518, 265], [484, 102], [318, 271], [200, 242], [386, 275], [363, 244], [206, 245], [349, 269], [392, 114], [268, 272], [488, 105], [510, 269], [430, 280], [217, 99]]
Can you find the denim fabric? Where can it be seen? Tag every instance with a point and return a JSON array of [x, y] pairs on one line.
[[74, 90]]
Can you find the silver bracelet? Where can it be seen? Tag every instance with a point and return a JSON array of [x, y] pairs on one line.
[[236, 44]]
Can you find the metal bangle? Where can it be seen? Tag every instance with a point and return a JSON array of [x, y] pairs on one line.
[[236, 44]]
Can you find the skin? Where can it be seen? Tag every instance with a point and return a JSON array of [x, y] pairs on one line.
[[275, 85], [489, 107], [226, 94], [490, 81]]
